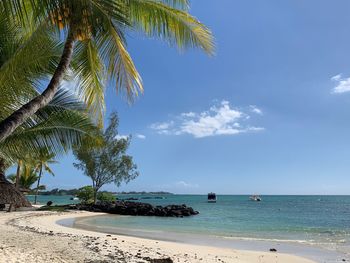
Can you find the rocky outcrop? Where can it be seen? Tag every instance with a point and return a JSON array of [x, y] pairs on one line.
[[137, 208]]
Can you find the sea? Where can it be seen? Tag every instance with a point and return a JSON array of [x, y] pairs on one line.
[[314, 226]]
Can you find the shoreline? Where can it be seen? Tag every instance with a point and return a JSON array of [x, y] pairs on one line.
[[301, 249], [36, 237]]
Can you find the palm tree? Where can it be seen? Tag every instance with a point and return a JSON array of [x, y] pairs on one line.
[[25, 60], [56, 128], [99, 27], [42, 161], [27, 179]]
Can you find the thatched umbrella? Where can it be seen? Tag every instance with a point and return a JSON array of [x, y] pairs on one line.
[[9, 194]]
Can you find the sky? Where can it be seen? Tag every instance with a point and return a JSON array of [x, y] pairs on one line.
[[268, 114]]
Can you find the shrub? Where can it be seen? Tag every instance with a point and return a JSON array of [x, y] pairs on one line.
[[105, 196], [86, 194]]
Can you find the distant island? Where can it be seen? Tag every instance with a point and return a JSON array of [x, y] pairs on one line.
[[74, 191], [144, 193]]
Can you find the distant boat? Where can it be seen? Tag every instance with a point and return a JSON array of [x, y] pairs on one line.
[[255, 198], [211, 198], [74, 198]]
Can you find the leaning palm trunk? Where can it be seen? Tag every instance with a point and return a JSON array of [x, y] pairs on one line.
[[37, 187], [8, 125]]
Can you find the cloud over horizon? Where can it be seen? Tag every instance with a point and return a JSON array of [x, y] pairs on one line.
[[220, 119], [342, 84]]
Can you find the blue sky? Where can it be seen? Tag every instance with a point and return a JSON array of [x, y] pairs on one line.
[[269, 114]]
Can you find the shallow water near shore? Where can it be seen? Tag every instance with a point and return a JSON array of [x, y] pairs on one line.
[[298, 223]]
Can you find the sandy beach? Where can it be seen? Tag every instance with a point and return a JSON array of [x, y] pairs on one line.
[[36, 237]]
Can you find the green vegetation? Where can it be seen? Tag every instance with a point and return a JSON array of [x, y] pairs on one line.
[[42, 161], [108, 162], [42, 43], [26, 179], [106, 196], [98, 27], [86, 194]]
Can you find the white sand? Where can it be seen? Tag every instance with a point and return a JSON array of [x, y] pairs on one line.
[[35, 237]]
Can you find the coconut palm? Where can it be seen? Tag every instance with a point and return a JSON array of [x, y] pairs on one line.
[[28, 177], [42, 162], [99, 27], [25, 60], [55, 128]]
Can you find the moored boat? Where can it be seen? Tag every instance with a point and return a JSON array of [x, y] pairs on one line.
[[211, 198], [256, 198]]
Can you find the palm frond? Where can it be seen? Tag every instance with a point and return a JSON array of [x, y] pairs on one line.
[[178, 4], [90, 78], [170, 24], [23, 65], [55, 128], [120, 66]]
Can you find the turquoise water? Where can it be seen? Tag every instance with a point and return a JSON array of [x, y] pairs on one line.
[[319, 220], [57, 200]]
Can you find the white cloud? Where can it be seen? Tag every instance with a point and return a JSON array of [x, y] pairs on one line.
[[188, 114], [220, 119], [255, 109], [119, 137], [256, 129], [141, 136], [336, 77], [162, 127], [342, 84], [184, 184]]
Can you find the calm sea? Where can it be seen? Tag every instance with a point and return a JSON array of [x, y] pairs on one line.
[[322, 221]]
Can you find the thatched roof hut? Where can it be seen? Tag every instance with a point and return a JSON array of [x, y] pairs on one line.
[[9, 194]]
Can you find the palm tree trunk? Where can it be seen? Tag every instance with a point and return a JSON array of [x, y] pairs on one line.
[[2, 171], [18, 173], [3, 178], [37, 187], [8, 125]]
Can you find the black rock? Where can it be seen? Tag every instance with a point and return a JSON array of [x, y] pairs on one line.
[[162, 260], [123, 207], [273, 250]]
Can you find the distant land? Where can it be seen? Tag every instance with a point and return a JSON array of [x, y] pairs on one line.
[[144, 193], [74, 191]]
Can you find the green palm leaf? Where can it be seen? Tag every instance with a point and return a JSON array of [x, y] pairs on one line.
[[55, 128]]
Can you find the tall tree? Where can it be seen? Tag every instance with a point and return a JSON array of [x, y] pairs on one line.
[[42, 162], [56, 128], [100, 27], [25, 61], [28, 177], [107, 162]]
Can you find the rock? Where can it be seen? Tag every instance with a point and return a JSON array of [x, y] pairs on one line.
[[273, 250], [49, 203], [162, 260], [123, 207]]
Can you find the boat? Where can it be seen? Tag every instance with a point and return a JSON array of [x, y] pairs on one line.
[[74, 198], [211, 198], [255, 198]]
